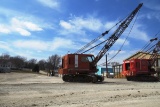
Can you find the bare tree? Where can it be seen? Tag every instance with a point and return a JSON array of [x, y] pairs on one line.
[[31, 63], [4, 59], [5, 56], [18, 61], [41, 64], [114, 63], [53, 63]]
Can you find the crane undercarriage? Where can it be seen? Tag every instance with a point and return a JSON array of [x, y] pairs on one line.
[[143, 78], [83, 78]]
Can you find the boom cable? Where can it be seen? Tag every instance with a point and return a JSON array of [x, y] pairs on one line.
[[94, 40], [148, 44]]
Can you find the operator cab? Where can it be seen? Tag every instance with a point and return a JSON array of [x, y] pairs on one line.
[[87, 58]]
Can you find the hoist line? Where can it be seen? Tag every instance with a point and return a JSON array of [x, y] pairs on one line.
[[94, 40]]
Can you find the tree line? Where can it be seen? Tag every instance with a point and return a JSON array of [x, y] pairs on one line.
[[19, 62]]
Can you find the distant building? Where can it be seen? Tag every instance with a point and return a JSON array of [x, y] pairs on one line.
[[140, 55], [5, 66]]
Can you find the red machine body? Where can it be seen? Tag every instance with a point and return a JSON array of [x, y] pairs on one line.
[[79, 68], [77, 64], [136, 67], [139, 70]]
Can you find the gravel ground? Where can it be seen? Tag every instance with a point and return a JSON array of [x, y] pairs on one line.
[[35, 90]]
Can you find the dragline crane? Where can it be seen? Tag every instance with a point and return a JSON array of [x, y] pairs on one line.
[[82, 67]]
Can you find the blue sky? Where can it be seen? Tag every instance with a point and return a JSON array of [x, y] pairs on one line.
[[40, 28]]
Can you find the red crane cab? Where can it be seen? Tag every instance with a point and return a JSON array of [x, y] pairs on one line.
[[139, 70], [77, 64]]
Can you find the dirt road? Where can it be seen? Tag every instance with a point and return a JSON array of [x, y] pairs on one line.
[[34, 90]]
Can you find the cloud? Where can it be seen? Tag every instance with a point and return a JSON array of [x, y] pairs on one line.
[[138, 33], [120, 41], [89, 23], [22, 27], [38, 48], [65, 24], [31, 44], [62, 43], [22, 31], [4, 29], [15, 22], [39, 45], [152, 4], [155, 15], [109, 25], [4, 45], [80, 25], [54, 4]]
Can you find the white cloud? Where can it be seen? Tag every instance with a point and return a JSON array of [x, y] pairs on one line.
[[22, 27], [25, 24], [40, 45], [22, 31], [4, 29], [88, 23], [65, 24], [109, 25], [138, 33], [4, 45], [13, 19], [152, 4], [31, 44], [31, 26], [79, 25], [54, 4], [62, 43], [155, 15], [120, 41], [150, 15]]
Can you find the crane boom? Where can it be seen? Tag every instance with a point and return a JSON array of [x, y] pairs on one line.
[[112, 39]]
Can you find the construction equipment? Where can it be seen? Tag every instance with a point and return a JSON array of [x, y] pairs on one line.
[[142, 69], [82, 67]]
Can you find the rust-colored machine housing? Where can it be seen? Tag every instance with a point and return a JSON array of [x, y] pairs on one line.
[[139, 70], [136, 67], [79, 68], [77, 64]]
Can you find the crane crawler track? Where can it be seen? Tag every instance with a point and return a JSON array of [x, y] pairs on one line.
[[83, 78], [143, 78]]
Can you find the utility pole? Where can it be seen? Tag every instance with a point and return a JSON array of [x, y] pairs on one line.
[[106, 67]]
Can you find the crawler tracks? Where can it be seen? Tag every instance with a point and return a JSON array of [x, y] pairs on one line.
[[143, 78], [83, 78]]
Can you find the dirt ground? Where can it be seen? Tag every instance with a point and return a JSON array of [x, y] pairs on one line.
[[35, 90]]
